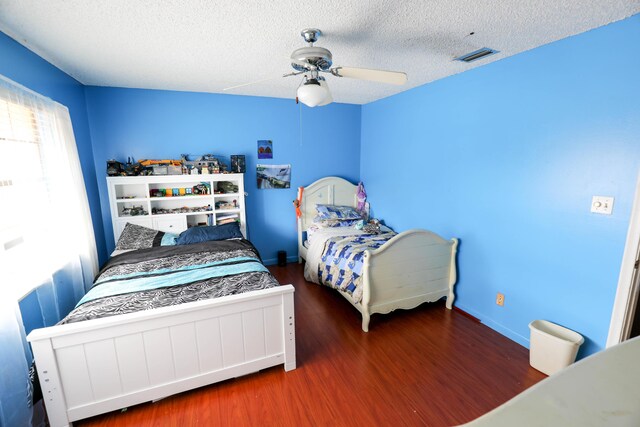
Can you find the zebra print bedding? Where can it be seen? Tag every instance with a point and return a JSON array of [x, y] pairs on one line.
[[169, 264]]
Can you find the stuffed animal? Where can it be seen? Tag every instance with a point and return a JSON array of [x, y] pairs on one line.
[[361, 196], [372, 227]]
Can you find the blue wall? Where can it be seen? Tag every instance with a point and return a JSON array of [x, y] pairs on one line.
[[506, 157], [157, 124]]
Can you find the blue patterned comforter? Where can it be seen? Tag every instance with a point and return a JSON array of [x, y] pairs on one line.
[[342, 260]]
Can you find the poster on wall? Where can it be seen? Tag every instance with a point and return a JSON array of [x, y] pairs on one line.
[[273, 176], [265, 149]]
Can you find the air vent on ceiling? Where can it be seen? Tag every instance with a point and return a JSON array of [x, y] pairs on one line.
[[477, 54]]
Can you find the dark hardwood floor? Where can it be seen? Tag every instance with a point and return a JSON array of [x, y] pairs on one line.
[[428, 366]]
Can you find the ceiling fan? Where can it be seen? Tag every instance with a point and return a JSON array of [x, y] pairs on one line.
[[311, 61]]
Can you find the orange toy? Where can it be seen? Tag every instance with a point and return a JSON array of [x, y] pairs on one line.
[[298, 202]]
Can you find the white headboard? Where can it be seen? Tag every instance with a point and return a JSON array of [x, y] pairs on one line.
[[329, 191]]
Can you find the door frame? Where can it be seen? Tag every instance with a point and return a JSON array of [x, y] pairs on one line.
[[624, 306]]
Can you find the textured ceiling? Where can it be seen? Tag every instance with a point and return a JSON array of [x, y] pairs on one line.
[[205, 46]]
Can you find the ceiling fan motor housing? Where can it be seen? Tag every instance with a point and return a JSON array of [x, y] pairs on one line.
[[319, 57]]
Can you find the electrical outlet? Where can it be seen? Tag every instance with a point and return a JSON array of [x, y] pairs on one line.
[[500, 299]]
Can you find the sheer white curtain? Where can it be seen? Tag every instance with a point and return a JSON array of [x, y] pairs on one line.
[[45, 222], [46, 235]]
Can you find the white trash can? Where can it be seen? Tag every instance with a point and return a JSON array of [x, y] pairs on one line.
[[552, 347]]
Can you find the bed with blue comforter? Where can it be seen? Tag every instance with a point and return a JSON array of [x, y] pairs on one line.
[[402, 270], [375, 269]]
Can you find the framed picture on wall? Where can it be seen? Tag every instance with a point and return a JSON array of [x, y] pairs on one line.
[[265, 149], [273, 176]]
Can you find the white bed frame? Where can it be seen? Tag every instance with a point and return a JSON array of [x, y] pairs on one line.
[[413, 267], [96, 366]]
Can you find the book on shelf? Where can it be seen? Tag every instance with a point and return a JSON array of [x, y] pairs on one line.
[[226, 221], [226, 216]]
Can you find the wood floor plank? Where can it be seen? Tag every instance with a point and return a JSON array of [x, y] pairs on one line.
[[427, 366]]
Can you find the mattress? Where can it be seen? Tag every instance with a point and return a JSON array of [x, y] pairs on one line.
[[162, 276]]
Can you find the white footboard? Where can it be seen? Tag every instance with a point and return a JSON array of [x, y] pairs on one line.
[[414, 267], [97, 366]]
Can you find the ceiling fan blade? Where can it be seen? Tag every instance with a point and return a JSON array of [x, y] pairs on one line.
[[260, 81], [391, 77]]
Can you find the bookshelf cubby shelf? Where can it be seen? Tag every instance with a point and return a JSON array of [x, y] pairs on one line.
[[135, 199]]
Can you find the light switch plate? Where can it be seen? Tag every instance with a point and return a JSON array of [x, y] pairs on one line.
[[602, 205]]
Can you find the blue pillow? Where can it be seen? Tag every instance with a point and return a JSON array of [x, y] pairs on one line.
[[203, 234], [332, 212], [169, 239]]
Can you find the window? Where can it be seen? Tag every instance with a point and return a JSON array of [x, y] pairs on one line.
[[19, 147], [45, 224]]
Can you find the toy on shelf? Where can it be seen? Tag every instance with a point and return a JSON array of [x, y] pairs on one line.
[[202, 188], [226, 205], [134, 211], [225, 187], [114, 168], [144, 167], [205, 164], [183, 209], [238, 163]]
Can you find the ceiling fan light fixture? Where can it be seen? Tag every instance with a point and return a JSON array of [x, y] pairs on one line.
[[329, 98], [313, 93], [312, 60]]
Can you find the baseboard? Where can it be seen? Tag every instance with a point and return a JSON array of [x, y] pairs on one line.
[[465, 314], [274, 261], [501, 329]]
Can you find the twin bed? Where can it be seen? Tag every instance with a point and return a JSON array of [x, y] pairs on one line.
[[393, 270]]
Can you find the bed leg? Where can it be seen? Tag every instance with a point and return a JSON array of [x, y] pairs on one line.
[[365, 322], [289, 333], [450, 299], [452, 273], [50, 383]]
